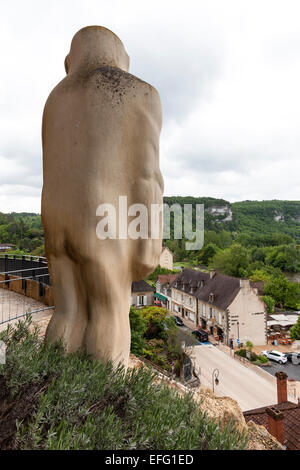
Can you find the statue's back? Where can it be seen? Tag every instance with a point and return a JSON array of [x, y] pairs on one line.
[[101, 128], [100, 136]]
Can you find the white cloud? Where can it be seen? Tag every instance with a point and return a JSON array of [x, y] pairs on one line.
[[228, 74]]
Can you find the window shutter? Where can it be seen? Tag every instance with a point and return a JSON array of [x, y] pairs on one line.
[[145, 300]]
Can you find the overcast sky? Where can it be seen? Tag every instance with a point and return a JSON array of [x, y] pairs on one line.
[[228, 73]]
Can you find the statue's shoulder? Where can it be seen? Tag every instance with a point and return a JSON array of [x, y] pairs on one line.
[[118, 86], [122, 83]]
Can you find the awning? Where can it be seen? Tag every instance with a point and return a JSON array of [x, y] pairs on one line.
[[281, 323], [161, 297]]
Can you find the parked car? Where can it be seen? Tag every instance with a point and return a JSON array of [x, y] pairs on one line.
[[201, 335], [178, 321], [276, 356], [293, 357]]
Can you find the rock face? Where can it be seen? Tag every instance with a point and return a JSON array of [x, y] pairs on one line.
[[278, 216], [227, 410], [224, 211], [101, 129]]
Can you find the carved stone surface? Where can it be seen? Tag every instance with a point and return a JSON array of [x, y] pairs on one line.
[[101, 128]]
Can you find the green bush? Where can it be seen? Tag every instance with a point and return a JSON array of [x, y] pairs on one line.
[[263, 359], [253, 356], [85, 404], [138, 326], [241, 352]]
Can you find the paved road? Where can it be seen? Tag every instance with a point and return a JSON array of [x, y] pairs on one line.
[[293, 371], [185, 334], [13, 305], [249, 388]]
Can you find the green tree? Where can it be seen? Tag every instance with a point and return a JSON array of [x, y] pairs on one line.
[[232, 261], [207, 253], [284, 257], [138, 326], [158, 322], [158, 270], [284, 292], [270, 303], [295, 330]]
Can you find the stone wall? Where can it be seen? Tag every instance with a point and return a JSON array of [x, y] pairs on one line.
[[32, 289]]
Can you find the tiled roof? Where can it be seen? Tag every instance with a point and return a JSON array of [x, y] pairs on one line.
[[189, 278], [166, 278], [224, 289], [291, 421], [141, 286]]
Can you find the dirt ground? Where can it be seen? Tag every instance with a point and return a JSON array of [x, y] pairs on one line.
[[269, 347]]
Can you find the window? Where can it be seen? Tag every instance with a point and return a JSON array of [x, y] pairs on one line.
[[191, 300], [210, 312], [203, 310], [192, 316], [176, 308], [141, 300]]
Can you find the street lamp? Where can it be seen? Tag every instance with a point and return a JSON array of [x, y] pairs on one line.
[[215, 379]]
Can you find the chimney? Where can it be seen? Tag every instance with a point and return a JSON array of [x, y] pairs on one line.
[[275, 423], [212, 273], [281, 386]]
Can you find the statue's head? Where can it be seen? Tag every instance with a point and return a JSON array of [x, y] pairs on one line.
[[95, 46]]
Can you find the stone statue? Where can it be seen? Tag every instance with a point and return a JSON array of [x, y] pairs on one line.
[[101, 128]]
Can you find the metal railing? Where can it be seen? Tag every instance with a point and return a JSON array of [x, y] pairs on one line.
[[13, 268]]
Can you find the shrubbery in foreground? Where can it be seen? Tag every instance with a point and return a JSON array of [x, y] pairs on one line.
[[51, 400]]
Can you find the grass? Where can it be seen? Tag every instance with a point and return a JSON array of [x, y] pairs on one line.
[[52, 400]]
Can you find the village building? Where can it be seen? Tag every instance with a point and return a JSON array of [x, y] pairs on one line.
[[228, 308], [163, 289], [6, 247], [142, 294], [166, 258], [183, 294]]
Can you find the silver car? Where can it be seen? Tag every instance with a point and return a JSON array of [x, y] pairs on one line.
[[276, 356]]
